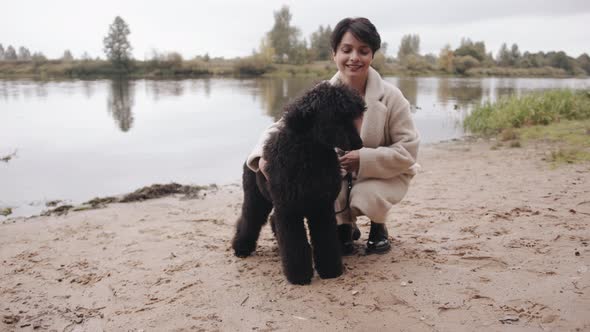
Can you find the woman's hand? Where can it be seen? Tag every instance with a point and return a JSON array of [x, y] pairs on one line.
[[351, 161], [262, 166]]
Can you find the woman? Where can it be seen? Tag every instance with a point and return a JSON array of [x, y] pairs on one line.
[[383, 168]]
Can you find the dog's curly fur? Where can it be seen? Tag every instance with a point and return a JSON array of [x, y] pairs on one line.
[[304, 181]]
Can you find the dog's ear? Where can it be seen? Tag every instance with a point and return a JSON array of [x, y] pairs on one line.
[[298, 117], [301, 114]]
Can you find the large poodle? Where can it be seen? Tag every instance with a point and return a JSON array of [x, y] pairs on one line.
[[303, 182]]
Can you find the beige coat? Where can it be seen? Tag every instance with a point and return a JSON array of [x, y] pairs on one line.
[[388, 158]]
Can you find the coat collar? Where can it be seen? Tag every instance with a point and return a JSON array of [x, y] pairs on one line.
[[374, 91], [372, 129]]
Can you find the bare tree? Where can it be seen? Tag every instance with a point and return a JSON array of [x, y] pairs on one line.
[[116, 45]]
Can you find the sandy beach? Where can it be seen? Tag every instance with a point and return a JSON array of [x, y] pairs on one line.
[[486, 240]]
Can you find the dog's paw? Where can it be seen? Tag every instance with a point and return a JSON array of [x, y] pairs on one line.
[[331, 272], [242, 249], [301, 277], [300, 281]]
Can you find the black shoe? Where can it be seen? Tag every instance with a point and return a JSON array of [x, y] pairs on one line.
[[345, 237], [378, 242]]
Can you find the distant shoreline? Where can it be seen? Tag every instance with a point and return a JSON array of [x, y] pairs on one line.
[[243, 68]]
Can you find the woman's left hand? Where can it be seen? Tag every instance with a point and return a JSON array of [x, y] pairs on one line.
[[351, 161]]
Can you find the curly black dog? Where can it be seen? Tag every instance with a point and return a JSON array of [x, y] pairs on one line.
[[303, 182]]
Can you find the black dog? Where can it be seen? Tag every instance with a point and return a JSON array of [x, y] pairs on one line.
[[304, 181]]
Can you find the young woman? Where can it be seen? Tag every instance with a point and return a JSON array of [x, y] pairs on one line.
[[383, 168]]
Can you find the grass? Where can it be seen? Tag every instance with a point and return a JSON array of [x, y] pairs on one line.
[[540, 108], [560, 118], [570, 140]]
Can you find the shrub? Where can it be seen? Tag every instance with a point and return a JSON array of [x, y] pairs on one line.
[[536, 108]]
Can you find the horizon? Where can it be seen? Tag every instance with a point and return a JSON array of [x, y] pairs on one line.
[[546, 27]]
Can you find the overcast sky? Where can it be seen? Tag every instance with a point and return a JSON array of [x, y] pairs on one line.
[[232, 28]]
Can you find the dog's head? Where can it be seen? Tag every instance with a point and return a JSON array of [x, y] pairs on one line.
[[328, 113]]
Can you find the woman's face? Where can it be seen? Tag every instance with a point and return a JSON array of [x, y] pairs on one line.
[[353, 57]]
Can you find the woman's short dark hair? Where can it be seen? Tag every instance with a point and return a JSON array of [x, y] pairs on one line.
[[361, 28]]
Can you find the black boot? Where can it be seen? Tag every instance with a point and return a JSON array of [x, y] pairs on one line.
[[378, 242], [345, 237]]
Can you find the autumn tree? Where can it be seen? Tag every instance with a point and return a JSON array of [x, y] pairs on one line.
[[445, 59], [1, 52], [116, 45]]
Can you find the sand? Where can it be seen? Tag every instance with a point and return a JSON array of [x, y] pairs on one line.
[[486, 240]]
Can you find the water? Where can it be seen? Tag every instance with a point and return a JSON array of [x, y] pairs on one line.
[[76, 140]]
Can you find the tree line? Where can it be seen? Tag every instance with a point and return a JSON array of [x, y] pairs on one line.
[[283, 44]]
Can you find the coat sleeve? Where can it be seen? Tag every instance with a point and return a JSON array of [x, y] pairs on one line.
[[400, 156], [254, 156]]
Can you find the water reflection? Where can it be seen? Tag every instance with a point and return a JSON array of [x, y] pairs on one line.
[[216, 120], [275, 93], [120, 103], [409, 87], [88, 88], [461, 93]]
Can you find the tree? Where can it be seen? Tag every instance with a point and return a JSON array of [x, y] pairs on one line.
[[584, 62], [116, 46], [476, 50], [409, 45], [85, 56], [38, 57], [282, 36], [320, 43], [299, 53], [561, 60], [265, 51], [504, 57], [24, 54], [463, 63], [445, 59], [1, 52], [514, 54], [10, 53], [67, 56], [384, 48]]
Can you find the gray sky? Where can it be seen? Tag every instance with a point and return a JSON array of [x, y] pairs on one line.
[[232, 28]]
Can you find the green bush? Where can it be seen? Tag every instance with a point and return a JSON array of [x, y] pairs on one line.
[[540, 108]]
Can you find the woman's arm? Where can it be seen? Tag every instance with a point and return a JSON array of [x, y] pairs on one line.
[[400, 156], [254, 157]]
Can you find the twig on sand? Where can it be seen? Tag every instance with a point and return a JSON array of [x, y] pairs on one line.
[[245, 299]]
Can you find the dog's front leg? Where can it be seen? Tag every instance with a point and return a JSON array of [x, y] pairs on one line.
[[293, 246], [324, 238]]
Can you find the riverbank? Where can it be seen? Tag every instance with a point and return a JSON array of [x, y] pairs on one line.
[[488, 238], [244, 67]]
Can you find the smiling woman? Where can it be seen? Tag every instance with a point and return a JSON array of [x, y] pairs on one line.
[[381, 171]]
